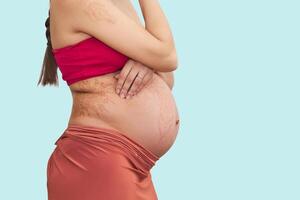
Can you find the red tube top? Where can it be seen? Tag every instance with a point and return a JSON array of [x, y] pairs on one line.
[[87, 58]]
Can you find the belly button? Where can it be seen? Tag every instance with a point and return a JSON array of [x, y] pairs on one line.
[[177, 121]]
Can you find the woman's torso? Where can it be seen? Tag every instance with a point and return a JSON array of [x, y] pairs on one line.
[[149, 117]]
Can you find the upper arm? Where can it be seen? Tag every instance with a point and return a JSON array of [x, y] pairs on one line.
[[104, 21]]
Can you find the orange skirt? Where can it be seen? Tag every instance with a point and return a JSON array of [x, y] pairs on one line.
[[90, 163]]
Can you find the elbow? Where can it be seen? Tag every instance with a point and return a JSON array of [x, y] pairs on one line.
[[164, 58], [170, 62], [174, 63]]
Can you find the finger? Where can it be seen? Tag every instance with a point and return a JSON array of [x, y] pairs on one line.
[[148, 77], [117, 76], [137, 82], [128, 82], [122, 76]]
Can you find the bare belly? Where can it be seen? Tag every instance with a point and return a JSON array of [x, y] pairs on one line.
[[149, 118]]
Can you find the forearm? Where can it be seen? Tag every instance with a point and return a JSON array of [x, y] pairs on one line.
[[156, 22], [167, 77]]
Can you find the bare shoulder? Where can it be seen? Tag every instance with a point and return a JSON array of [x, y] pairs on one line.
[[82, 5], [78, 11], [98, 9], [62, 23], [62, 4]]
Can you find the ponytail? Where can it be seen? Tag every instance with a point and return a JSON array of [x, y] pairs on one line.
[[49, 67]]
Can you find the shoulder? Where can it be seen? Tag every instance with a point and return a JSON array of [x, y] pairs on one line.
[[80, 4], [85, 9]]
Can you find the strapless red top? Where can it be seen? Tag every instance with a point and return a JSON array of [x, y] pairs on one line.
[[87, 58]]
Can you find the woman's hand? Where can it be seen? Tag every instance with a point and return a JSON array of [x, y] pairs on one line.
[[132, 78]]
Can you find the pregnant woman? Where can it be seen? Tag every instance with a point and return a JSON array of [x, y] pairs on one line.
[[124, 116]]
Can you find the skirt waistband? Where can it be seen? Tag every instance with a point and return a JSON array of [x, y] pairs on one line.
[[104, 137]]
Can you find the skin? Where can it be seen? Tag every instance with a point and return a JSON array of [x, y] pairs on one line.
[[154, 48], [127, 85], [150, 117], [134, 76]]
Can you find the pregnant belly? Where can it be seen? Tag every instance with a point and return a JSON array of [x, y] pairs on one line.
[[150, 117]]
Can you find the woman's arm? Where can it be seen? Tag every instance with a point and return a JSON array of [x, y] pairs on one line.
[[103, 20], [156, 22]]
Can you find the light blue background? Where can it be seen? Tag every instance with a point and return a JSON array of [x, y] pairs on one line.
[[237, 90]]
